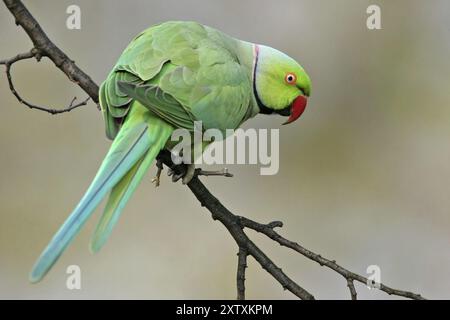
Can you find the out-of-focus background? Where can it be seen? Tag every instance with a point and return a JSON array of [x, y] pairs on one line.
[[364, 174]]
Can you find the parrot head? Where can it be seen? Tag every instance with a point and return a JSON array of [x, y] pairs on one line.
[[281, 86]]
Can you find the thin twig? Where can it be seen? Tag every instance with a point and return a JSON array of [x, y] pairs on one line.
[[44, 47], [21, 56], [240, 276], [268, 230], [232, 223], [351, 287], [223, 173], [34, 53]]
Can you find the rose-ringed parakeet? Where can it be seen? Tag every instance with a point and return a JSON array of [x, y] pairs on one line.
[[169, 76]]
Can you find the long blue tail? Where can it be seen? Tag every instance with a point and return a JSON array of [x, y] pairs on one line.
[[140, 132]]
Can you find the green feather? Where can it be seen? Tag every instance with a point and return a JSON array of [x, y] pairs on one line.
[[141, 132], [123, 190], [160, 103], [169, 76], [206, 74]]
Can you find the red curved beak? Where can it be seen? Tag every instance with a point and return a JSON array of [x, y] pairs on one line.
[[297, 108]]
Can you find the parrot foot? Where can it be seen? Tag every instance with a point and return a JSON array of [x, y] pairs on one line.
[[224, 173], [157, 179], [187, 172]]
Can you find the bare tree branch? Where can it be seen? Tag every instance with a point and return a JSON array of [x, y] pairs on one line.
[[351, 287], [232, 223], [240, 277], [235, 225], [34, 53], [268, 230], [44, 47]]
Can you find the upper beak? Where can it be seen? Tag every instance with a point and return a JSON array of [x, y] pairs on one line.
[[297, 108]]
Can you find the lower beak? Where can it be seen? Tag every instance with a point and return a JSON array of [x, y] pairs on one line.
[[297, 108]]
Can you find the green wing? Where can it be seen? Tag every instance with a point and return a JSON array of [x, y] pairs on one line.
[[182, 72], [160, 103]]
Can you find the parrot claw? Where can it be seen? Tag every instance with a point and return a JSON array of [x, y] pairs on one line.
[[176, 176], [157, 179], [189, 174], [186, 173]]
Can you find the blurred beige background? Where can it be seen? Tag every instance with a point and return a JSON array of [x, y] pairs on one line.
[[364, 174]]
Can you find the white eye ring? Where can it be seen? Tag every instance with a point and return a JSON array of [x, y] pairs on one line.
[[290, 78]]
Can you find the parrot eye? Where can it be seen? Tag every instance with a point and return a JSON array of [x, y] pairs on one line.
[[290, 78]]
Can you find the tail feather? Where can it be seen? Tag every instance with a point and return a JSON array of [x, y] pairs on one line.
[[137, 144], [122, 192], [121, 157]]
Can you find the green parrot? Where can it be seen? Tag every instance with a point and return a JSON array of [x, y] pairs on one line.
[[169, 76]]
